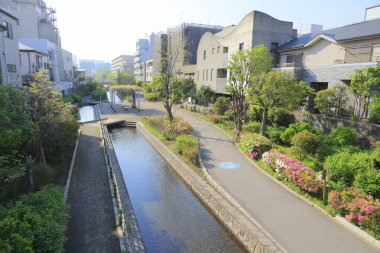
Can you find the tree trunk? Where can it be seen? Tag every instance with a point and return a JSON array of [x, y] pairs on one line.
[[264, 122], [133, 99], [170, 113], [42, 155], [30, 178]]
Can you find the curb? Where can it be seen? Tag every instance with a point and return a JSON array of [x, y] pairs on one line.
[[68, 180]]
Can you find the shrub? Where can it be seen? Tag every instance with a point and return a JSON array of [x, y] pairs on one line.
[[99, 93], [187, 146], [255, 113], [343, 136], [343, 167], [229, 114], [274, 133], [304, 143], [252, 127], [281, 117], [357, 207], [294, 171], [369, 181], [293, 129], [197, 108], [170, 130], [374, 117], [35, 223], [151, 96], [325, 100], [255, 145], [221, 105], [42, 175], [215, 118]]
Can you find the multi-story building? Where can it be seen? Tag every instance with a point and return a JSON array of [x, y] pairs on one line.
[[68, 66], [142, 54], [93, 66], [9, 57], [183, 42], [123, 63], [330, 57], [32, 60], [214, 50]]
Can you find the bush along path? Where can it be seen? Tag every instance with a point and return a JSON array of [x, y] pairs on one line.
[[92, 225], [292, 222]]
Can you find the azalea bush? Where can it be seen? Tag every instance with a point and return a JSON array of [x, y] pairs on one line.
[[170, 130], [215, 118], [255, 145], [187, 146], [293, 171], [357, 207]]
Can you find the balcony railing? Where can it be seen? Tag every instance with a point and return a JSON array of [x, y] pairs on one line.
[[288, 65]]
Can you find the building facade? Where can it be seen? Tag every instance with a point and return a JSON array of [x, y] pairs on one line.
[[9, 58], [93, 66], [31, 61], [141, 56], [123, 63], [214, 50]]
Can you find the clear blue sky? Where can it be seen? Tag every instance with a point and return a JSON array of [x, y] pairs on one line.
[[106, 29]]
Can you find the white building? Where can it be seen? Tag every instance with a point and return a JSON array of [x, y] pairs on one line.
[[31, 61], [9, 57], [122, 63]]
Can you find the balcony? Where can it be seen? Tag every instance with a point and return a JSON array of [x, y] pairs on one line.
[[360, 54]]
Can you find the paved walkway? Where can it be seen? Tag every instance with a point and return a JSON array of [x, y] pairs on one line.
[[298, 227], [92, 222]]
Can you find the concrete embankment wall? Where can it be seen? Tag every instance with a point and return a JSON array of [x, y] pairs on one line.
[[248, 233]]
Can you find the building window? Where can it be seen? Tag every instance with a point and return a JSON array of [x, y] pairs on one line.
[[225, 50], [241, 46], [213, 50], [39, 61], [204, 55], [206, 74], [273, 46], [203, 78], [218, 50], [211, 74], [221, 73], [11, 68], [9, 32], [46, 65]]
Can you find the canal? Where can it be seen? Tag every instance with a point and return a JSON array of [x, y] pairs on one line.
[[86, 113], [170, 217]]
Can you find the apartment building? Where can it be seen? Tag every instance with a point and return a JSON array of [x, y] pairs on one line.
[[9, 57], [32, 60], [143, 53], [93, 66], [123, 63], [214, 50], [327, 58], [183, 42]]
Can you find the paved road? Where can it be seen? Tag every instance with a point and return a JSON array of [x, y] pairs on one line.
[[92, 222], [298, 227]]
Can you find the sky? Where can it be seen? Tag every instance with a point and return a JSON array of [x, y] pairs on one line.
[[104, 30]]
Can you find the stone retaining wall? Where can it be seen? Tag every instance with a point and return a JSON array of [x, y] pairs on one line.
[[367, 133], [249, 234], [133, 241]]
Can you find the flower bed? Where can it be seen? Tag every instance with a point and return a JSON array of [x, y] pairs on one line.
[[362, 210], [255, 145], [294, 171]]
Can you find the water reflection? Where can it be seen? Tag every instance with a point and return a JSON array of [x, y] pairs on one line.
[[171, 218]]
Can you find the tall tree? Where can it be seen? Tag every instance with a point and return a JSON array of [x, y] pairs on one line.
[[275, 90], [168, 90], [125, 78], [362, 81], [104, 75], [243, 66]]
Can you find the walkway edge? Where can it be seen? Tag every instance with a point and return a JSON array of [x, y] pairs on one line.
[[361, 234], [250, 234], [68, 180]]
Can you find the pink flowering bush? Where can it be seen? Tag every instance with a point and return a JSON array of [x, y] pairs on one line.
[[293, 171], [170, 130], [357, 207], [215, 118], [255, 145]]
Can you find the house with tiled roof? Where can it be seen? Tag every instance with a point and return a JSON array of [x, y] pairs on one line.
[[327, 58]]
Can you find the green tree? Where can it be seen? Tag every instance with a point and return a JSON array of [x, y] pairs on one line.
[[362, 81], [125, 78], [375, 110], [304, 143], [205, 95], [104, 76], [275, 90], [324, 101], [243, 66]]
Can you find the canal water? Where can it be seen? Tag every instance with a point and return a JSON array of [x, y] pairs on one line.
[[117, 99], [86, 113], [170, 217]]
